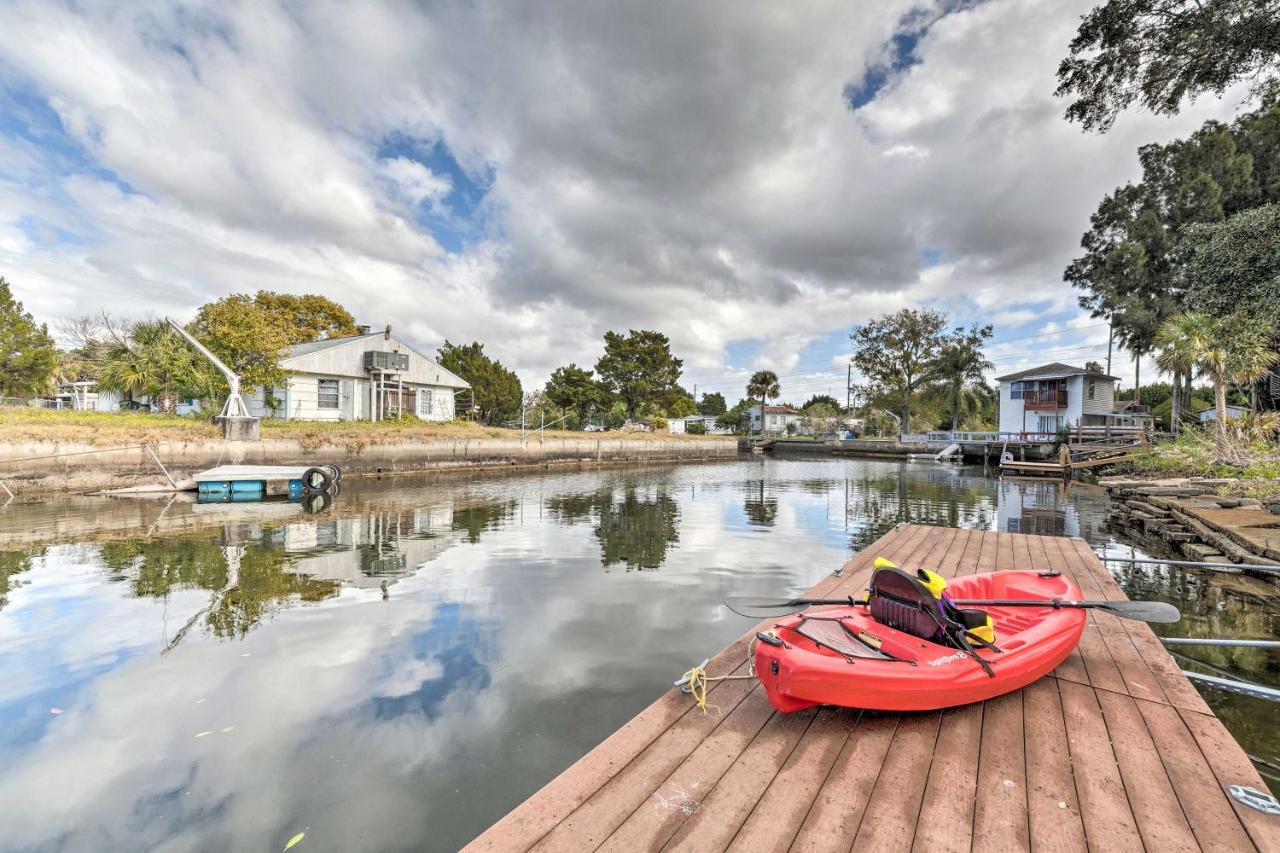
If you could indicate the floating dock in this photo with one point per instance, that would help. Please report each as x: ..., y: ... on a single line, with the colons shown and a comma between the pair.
x: 251, y: 482
x: 1114, y: 751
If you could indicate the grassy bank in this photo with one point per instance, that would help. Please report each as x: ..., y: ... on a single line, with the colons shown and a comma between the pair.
x: 107, y: 429
x: 1253, y: 467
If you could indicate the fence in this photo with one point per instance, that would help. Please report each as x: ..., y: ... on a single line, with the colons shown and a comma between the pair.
x: 1078, y: 434
x: 36, y: 403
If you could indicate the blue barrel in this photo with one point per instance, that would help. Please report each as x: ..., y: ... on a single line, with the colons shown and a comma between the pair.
x: 248, y: 487
x: 295, y: 490
x: 214, y: 490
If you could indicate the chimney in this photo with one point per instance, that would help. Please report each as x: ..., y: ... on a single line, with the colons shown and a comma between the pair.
x: 386, y: 335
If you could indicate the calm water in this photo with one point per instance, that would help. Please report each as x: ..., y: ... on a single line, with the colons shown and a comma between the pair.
x: 399, y: 672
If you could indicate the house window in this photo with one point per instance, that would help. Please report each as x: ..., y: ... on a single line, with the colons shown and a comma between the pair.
x: 1015, y: 390
x: 1092, y: 383
x: 327, y: 394
x: 426, y: 402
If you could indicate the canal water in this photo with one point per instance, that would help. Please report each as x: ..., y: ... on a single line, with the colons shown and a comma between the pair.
x: 398, y: 672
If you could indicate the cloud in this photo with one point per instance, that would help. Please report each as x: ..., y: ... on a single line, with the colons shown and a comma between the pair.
x: 532, y: 176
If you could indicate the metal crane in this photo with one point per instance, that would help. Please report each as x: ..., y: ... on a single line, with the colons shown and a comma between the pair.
x: 235, y: 406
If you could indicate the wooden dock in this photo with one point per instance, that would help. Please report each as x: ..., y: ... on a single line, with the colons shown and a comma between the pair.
x: 1114, y: 751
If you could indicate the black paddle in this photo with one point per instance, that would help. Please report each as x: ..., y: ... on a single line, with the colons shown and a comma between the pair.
x: 1142, y: 611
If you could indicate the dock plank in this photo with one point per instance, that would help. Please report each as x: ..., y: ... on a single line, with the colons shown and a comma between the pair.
x: 890, y: 819
x: 1053, y: 810
x: 1000, y: 810
x: 1109, y: 823
x: 1156, y: 808
x: 1114, y: 751
x: 838, y: 809
x: 1206, y: 804
x: 773, y: 824
x: 714, y: 825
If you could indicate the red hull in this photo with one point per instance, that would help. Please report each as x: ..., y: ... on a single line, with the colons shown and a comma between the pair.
x: 1035, y: 640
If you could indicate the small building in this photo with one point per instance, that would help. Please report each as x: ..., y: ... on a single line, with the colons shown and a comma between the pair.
x: 776, y: 418
x: 1208, y: 416
x: 85, y: 396
x: 708, y: 422
x: 363, y: 377
x: 1041, y: 399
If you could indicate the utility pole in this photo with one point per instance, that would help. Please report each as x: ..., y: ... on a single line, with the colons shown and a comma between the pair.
x: 848, y: 388
x: 1111, y: 328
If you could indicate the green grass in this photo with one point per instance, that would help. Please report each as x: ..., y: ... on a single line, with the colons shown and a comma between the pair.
x: 1194, y: 454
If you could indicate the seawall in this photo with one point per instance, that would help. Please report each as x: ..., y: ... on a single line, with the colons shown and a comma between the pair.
x: 31, y: 467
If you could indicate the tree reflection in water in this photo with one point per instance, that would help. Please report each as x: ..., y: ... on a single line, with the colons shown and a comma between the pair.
x: 633, y: 528
x: 12, y: 564
x: 877, y: 502
x: 761, y: 511
x: 479, y: 517
x: 249, y: 582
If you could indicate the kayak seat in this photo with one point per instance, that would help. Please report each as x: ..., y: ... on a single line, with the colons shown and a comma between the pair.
x: 902, y: 601
x: 917, y: 605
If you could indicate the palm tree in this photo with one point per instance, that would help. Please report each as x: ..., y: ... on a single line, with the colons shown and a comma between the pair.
x: 763, y: 384
x: 1175, y: 354
x: 960, y: 368
x: 1227, y: 349
x: 155, y: 361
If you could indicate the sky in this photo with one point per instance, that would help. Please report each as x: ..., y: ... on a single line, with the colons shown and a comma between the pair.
x: 751, y: 179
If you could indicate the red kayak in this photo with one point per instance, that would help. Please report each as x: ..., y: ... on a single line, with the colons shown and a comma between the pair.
x: 842, y: 656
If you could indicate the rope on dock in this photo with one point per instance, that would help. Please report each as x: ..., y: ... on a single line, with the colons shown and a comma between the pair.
x: 696, y: 680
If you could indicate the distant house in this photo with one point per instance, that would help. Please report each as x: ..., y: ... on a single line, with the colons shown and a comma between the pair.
x: 85, y: 396
x: 1211, y: 415
x: 776, y: 418
x: 708, y: 423
x: 364, y: 377
x: 1043, y: 398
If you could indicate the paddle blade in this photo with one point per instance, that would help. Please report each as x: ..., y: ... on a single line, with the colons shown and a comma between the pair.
x: 764, y: 608
x: 1143, y: 611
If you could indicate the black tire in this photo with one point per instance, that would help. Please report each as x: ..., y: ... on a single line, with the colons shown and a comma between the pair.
x: 316, y: 502
x: 316, y: 481
x: 334, y: 471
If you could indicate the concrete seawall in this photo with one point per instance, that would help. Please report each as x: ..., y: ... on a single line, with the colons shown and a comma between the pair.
x: 43, y: 467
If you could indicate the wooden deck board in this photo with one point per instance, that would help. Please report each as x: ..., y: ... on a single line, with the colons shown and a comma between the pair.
x: 1116, y: 750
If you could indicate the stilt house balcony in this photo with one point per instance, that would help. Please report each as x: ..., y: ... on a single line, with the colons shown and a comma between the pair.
x: 1044, y: 400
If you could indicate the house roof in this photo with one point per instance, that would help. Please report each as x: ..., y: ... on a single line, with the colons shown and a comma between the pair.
x: 1053, y: 370
x: 310, y: 348
x: 327, y: 343
x: 780, y: 410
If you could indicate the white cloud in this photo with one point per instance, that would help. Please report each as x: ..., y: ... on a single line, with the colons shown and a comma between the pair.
x: 413, y: 181
x: 706, y: 179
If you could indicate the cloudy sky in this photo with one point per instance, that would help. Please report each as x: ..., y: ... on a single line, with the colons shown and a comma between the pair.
x: 751, y: 179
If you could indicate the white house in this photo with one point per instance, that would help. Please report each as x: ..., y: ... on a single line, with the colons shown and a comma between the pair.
x: 364, y: 377
x: 708, y: 423
x: 776, y: 418
x: 1043, y: 398
x: 85, y: 396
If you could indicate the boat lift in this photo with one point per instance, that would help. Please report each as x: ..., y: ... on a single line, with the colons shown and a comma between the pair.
x: 237, y: 423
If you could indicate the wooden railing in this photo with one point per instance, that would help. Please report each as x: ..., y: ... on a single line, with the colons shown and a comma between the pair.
x: 1044, y: 399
